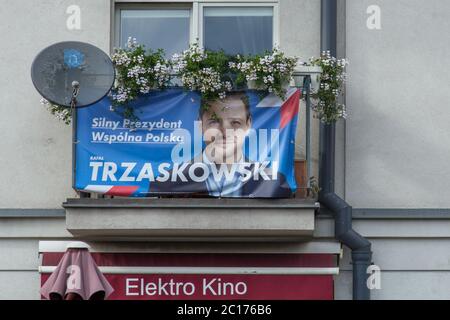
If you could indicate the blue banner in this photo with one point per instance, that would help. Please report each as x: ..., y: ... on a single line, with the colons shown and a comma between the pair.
x: 240, y: 147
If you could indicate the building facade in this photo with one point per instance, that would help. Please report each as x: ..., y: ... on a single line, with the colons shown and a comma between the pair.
x: 390, y: 152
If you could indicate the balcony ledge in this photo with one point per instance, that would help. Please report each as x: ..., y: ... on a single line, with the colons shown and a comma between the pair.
x: 190, y: 219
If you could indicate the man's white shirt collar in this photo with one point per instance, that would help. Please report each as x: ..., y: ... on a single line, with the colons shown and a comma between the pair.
x: 223, y: 188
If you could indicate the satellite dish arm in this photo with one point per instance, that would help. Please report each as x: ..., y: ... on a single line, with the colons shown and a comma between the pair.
x: 76, y: 90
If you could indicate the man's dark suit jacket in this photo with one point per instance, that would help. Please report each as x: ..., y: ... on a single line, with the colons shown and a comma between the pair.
x: 251, y: 189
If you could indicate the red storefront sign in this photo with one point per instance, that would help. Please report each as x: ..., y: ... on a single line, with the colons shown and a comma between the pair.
x: 221, y: 287
x: 148, y: 276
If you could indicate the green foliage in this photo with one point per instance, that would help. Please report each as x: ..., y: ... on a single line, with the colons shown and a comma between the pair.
x: 213, y: 74
x: 204, y: 71
x: 326, y: 100
x: 138, y: 71
x: 62, y: 113
x: 270, y: 72
x: 314, y: 188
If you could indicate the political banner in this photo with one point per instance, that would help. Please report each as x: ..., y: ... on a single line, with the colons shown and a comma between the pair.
x: 175, y: 144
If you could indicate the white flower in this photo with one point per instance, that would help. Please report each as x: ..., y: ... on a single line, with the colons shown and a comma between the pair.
x: 139, y: 59
x: 131, y: 43
x: 120, y: 58
x: 136, y: 71
x: 122, y: 94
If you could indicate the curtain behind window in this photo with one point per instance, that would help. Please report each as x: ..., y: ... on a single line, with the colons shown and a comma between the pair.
x: 238, y: 30
x: 166, y: 29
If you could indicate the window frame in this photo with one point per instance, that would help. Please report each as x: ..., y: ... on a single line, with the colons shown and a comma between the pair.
x: 258, y: 4
x: 196, y: 8
x: 119, y: 6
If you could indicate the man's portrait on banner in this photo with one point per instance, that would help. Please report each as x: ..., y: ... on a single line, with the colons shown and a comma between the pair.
x: 223, y: 169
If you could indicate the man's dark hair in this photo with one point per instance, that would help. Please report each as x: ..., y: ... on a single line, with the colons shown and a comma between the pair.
x: 243, y: 96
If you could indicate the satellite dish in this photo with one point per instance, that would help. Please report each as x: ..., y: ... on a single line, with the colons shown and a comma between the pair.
x: 69, y: 70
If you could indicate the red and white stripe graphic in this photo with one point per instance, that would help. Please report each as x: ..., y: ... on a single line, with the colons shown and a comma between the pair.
x: 121, y: 191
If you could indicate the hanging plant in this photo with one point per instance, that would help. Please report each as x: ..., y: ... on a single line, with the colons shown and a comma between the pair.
x: 271, y: 72
x: 203, y: 71
x: 137, y: 72
x: 326, y: 101
x: 61, y: 113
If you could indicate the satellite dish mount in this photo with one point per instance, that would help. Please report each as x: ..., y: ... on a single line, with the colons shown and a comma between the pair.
x: 76, y: 90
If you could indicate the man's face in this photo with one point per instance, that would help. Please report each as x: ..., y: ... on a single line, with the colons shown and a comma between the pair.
x: 225, y: 126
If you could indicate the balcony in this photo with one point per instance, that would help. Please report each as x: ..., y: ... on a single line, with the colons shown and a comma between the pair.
x: 94, y: 217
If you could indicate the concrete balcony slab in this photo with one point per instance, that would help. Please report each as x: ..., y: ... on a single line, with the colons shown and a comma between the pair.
x: 189, y: 219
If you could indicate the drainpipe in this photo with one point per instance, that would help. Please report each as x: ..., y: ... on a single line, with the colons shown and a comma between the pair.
x: 340, y: 209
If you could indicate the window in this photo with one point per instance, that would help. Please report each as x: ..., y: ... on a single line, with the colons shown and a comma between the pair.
x: 168, y: 29
x: 238, y: 30
x: 235, y: 27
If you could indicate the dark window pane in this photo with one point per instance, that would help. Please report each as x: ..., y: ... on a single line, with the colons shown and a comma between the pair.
x: 166, y: 29
x: 243, y: 30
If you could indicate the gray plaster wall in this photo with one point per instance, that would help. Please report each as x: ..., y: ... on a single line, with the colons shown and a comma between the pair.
x: 412, y: 254
x: 397, y: 134
x: 411, y: 269
x: 35, y: 148
x: 19, y: 254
